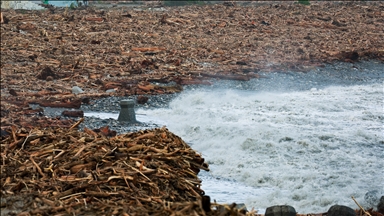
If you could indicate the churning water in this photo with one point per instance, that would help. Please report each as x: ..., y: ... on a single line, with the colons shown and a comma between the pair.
x: 310, y: 140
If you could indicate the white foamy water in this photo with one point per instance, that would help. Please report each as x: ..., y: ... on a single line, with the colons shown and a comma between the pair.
x: 309, y: 149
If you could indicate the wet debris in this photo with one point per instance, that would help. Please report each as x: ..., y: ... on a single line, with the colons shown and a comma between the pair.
x: 65, y: 170
x: 142, y: 99
x: 105, y: 131
x: 48, y: 167
x: 73, y: 113
x: 126, y: 51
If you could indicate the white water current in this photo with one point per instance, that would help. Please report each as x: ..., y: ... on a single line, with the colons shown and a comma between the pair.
x: 310, y: 148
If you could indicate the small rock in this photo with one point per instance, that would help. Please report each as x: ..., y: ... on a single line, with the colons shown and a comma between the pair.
x: 380, y: 206
x: 22, y: 32
x: 85, y: 100
x: 142, y: 99
x: 280, y: 210
x: 12, y: 92
x: 241, y: 63
x: 110, y: 90
x: 77, y: 90
x: 340, y: 210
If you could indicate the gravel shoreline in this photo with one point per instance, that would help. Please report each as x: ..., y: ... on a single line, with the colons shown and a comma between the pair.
x: 111, y: 105
x: 339, y: 73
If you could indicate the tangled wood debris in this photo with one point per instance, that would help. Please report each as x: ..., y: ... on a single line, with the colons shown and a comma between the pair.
x: 48, y: 167
x: 68, y: 171
x: 45, y: 53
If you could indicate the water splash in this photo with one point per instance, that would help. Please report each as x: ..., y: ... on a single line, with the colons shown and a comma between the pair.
x: 310, y: 149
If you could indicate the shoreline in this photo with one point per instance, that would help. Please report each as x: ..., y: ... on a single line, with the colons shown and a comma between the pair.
x: 42, y: 58
x: 353, y: 77
x: 176, y: 50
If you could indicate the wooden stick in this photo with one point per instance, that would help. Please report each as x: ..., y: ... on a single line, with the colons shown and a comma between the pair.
x: 365, y: 212
x: 77, y: 123
x: 137, y: 171
x: 13, y: 133
x: 37, y: 166
x: 71, y: 195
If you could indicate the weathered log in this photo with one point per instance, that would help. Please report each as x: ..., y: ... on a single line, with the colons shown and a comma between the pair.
x: 68, y: 104
x: 73, y: 113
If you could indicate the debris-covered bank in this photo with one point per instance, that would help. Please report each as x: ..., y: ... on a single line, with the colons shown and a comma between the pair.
x: 137, y: 51
x: 130, y: 50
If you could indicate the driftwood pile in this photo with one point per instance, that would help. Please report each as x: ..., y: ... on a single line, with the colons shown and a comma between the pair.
x: 132, y: 50
x: 48, y: 167
x: 71, y: 172
x: 23, y: 116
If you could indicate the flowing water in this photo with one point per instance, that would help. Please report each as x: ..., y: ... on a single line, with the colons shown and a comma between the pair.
x: 310, y: 140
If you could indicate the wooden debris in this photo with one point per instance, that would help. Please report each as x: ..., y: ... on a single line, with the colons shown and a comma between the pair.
x: 98, y: 19
x: 53, y: 169
x: 77, y: 123
x: 45, y: 54
x: 361, y: 208
x: 22, y: 115
x: 146, y: 49
x: 142, y: 99
x: 73, y: 113
x: 105, y: 131
x: 64, y: 104
x: 158, y: 168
